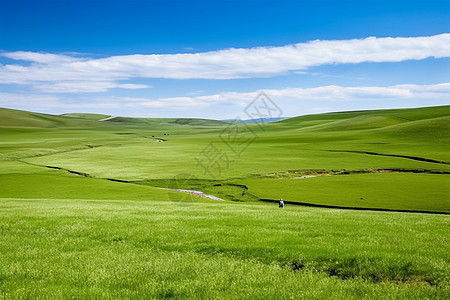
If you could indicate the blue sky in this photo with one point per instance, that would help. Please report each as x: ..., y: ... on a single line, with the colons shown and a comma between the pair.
x: 211, y: 58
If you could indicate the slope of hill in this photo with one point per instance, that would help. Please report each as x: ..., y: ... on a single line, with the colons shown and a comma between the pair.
x: 166, y: 121
x: 73, y: 187
x: 87, y: 116
x: 285, y: 159
x: 18, y: 118
x: 369, y: 119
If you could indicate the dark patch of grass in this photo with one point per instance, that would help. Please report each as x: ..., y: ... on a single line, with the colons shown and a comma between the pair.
x: 351, y: 268
x: 167, y: 293
x: 395, y: 155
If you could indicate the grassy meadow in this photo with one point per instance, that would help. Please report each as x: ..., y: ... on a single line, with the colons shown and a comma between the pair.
x: 82, y: 248
x: 84, y: 212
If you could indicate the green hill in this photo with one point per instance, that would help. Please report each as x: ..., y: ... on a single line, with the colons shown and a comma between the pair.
x: 395, y: 159
x: 87, y: 116
x: 73, y: 186
x: 165, y: 121
x: 369, y: 119
x: 18, y: 118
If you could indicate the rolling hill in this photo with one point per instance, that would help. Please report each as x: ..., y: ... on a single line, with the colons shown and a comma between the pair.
x: 72, y: 187
x: 337, y: 159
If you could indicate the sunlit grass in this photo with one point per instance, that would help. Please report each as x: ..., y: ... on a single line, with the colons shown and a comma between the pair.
x: 64, y: 235
x: 120, y: 249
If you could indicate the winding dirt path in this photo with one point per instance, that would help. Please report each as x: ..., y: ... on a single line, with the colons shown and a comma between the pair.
x: 195, y: 193
x: 108, y: 118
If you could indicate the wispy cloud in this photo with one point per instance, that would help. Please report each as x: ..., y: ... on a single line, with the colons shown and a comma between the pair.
x: 330, y: 94
x: 86, y: 86
x: 66, y: 73
x: 44, y: 58
x: 325, y: 93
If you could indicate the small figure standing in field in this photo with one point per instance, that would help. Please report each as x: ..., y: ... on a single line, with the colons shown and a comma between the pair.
x: 281, y: 203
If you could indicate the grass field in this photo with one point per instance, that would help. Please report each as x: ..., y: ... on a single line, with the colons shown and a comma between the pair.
x: 83, y: 213
x: 154, y: 249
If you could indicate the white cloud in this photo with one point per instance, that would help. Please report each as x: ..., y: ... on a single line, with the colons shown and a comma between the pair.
x: 172, y: 103
x: 329, y: 93
x: 44, y: 58
x: 227, y: 104
x: 48, y: 70
x: 85, y: 86
x: 39, y: 102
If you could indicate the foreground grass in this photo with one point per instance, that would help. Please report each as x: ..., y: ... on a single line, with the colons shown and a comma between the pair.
x: 151, y: 249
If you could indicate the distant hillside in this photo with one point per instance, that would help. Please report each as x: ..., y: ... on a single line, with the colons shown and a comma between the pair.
x: 95, y: 117
x: 262, y: 120
x: 18, y: 118
x: 161, y: 121
x: 360, y: 120
x: 398, y: 120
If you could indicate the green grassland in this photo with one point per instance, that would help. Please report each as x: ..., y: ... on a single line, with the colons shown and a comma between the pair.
x: 276, y: 163
x: 83, y: 212
x: 156, y: 249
